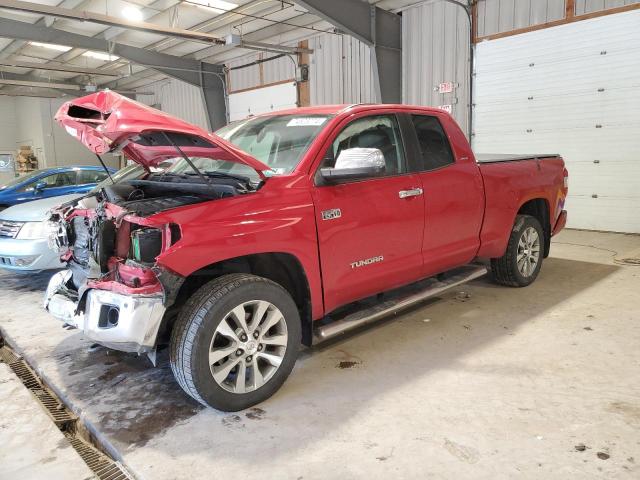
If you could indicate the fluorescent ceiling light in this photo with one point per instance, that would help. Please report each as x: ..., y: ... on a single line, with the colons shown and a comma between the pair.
x: 217, y: 5
x: 132, y: 13
x: 51, y: 46
x: 100, y: 56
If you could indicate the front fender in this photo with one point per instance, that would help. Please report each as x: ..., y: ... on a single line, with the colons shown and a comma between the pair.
x: 268, y: 221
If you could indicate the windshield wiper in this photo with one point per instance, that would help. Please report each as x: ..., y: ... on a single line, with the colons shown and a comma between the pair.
x: 240, y: 178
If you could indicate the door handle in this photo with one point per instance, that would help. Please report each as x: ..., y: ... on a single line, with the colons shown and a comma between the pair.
x: 414, y: 192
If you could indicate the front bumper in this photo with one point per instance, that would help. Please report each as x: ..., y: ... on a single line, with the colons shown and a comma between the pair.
x: 128, y: 323
x: 28, y: 255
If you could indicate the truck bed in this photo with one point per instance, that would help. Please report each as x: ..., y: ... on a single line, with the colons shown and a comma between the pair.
x: 506, y: 157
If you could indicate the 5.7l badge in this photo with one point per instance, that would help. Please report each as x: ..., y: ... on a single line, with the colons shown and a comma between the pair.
x: 331, y: 214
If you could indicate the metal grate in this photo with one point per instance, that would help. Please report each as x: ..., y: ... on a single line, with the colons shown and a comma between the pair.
x: 25, y: 374
x: 7, y: 356
x: 60, y: 415
x: 10, y: 229
x: 102, y: 465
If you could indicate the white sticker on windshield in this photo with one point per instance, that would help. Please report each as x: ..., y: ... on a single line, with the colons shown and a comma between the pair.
x: 71, y: 131
x: 306, y: 122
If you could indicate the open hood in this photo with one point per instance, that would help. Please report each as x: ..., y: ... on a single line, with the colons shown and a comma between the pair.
x: 107, y: 121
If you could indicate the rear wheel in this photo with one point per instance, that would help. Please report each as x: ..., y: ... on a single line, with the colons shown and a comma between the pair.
x: 235, y: 341
x: 521, y: 263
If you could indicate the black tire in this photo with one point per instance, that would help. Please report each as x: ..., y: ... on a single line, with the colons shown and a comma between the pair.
x: 504, y: 270
x: 195, y: 327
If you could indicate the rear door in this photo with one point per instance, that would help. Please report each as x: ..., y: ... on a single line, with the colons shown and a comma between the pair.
x: 369, y: 230
x: 453, y: 191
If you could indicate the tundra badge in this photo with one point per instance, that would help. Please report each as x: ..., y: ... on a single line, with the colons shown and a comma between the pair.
x: 367, y: 261
x: 331, y: 214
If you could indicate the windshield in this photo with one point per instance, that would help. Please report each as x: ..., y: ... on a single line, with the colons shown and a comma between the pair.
x: 18, y: 180
x: 278, y: 141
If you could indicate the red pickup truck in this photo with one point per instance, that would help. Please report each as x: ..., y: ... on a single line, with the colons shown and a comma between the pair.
x: 285, y: 229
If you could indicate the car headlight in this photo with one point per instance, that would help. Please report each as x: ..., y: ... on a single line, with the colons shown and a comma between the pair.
x: 34, y: 231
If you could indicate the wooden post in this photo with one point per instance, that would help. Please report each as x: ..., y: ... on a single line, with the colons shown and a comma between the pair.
x: 304, y: 92
x: 569, y: 9
x: 474, y: 22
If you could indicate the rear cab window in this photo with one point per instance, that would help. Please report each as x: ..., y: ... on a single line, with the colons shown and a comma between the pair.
x: 433, y: 144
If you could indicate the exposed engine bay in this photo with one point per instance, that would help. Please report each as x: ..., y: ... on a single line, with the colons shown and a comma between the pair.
x: 108, y: 241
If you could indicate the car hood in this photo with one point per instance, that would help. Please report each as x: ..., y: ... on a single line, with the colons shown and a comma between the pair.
x: 35, y: 211
x: 107, y: 121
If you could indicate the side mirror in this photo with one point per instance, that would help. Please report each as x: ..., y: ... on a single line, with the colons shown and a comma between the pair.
x: 39, y: 186
x: 355, y: 163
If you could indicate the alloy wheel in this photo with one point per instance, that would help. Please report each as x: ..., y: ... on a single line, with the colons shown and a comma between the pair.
x: 528, y: 252
x: 248, y: 346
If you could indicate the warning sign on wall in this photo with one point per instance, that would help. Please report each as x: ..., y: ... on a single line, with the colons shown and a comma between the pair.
x: 446, y: 108
x: 445, y: 87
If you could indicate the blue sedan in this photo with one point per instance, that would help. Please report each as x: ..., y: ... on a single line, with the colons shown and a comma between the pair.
x: 50, y: 182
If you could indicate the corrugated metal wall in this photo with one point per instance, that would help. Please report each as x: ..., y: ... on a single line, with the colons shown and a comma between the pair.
x: 588, y: 6
x: 340, y: 70
x: 277, y: 70
x: 176, y: 98
x: 497, y: 16
x: 435, y: 44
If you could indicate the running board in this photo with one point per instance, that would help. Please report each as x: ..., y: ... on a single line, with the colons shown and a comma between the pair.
x: 377, y: 307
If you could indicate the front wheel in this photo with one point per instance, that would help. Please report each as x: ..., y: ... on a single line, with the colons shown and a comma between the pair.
x: 521, y: 263
x: 235, y: 341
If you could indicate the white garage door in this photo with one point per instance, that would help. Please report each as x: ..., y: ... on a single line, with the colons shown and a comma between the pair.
x: 262, y: 100
x: 574, y: 90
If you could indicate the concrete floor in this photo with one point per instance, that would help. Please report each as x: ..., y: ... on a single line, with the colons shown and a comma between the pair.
x: 486, y: 382
x: 32, y: 447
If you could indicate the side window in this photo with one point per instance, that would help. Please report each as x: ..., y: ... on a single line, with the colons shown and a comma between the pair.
x: 381, y: 132
x: 63, y: 179
x: 90, y: 176
x: 433, y: 142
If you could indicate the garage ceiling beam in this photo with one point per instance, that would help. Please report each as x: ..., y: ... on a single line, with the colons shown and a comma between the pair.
x: 57, y: 67
x: 110, y: 21
x: 378, y: 28
x: 206, y: 76
x: 27, y: 83
x: 93, y: 17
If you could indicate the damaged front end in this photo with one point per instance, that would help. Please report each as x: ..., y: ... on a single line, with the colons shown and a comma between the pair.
x: 115, y: 289
x: 112, y: 290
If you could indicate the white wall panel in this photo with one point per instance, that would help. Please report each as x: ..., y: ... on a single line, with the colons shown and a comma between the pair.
x: 435, y: 44
x: 8, y: 129
x: 178, y: 99
x: 262, y: 100
x: 574, y: 90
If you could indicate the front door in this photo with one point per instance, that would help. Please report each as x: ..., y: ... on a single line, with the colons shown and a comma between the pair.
x: 369, y: 230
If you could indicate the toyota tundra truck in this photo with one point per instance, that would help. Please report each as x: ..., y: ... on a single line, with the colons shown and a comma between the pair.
x: 283, y: 230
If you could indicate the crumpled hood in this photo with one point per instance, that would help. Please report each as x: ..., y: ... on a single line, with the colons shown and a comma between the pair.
x: 35, y: 211
x: 107, y: 121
